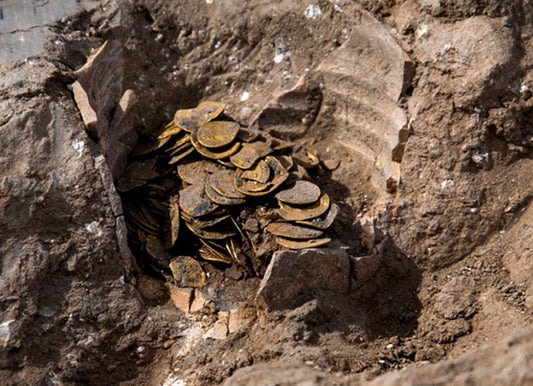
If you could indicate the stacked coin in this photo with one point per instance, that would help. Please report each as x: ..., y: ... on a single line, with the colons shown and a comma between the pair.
x: 201, y: 170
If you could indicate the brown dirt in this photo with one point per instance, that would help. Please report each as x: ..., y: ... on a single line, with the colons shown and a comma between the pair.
x: 450, y: 267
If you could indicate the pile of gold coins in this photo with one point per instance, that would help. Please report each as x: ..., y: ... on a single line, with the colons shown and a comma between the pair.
x: 206, y: 188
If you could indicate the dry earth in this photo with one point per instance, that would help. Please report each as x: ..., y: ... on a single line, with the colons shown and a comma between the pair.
x: 426, y: 104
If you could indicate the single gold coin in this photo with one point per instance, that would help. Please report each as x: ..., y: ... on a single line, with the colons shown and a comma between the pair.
x: 194, y: 202
x: 187, y: 272
x: 189, y: 119
x: 304, y: 212
x: 302, y: 193
x: 216, y: 134
x: 292, y: 231
x: 302, y: 244
x: 325, y: 220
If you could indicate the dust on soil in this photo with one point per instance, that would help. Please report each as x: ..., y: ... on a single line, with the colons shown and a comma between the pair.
x: 453, y: 260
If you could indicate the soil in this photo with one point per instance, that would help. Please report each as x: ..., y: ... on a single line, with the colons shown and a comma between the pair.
x: 440, y: 252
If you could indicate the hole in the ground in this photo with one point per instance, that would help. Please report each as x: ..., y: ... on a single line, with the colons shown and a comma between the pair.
x: 204, y: 191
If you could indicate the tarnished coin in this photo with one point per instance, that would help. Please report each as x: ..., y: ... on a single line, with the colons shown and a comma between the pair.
x: 216, y: 134
x: 222, y: 183
x: 211, y: 252
x: 208, y: 221
x: 325, y: 220
x: 189, y: 119
x: 293, y: 231
x: 218, y: 232
x: 304, y: 212
x: 261, y: 173
x: 249, y: 153
x: 302, y: 193
x: 299, y: 244
x: 278, y: 175
x: 220, y: 199
x: 196, y: 172
x: 187, y: 272
x: 178, y: 144
x: 194, y: 202
x: 216, y: 154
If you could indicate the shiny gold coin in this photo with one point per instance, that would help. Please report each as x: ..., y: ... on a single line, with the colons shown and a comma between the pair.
x: 216, y: 154
x: 304, y: 212
x: 325, y: 220
x: 187, y: 272
x: 141, y: 170
x: 293, y: 231
x: 216, y: 134
x: 249, y: 154
x: 194, y: 202
x: 302, y: 193
x: 189, y: 119
x: 297, y: 245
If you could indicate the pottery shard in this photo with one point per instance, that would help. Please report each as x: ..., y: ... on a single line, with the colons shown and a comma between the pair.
x: 295, y: 277
x: 240, y: 319
x: 181, y: 297
x: 219, y: 331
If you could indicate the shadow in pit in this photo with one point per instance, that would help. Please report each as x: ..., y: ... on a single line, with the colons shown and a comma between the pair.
x: 385, y: 286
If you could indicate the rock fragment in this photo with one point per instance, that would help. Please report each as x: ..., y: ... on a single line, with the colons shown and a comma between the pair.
x: 295, y: 277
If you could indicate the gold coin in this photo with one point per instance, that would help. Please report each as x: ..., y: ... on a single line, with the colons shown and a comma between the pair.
x: 304, y: 212
x: 249, y: 154
x: 216, y: 134
x: 299, y: 244
x: 222, y: 183
x: 220, y: 199
x: 325, y: 220
x: 194, y: 202
x: 302, y: 193
x: 216, y: 154
x: 187, y: 272
x: 196, y: 172
x: 293, y: 231
x: 189, y: 119
x: 261, y: 173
